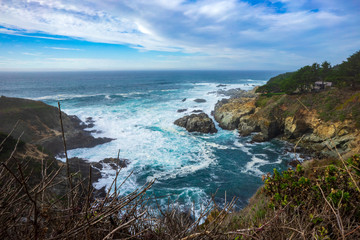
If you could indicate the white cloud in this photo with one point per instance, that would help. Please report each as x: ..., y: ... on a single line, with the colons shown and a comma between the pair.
x: 32, y: 54
x: 65, y: 49
x: 205, y: 26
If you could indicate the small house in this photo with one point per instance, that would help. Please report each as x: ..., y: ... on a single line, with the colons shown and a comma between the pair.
x: 319, y: 85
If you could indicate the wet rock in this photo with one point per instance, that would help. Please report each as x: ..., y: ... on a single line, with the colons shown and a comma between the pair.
x: 184, y: 99
x: 260, y: 137
x: 114, y: 163
x: 182, y: 110
x: 89, y: 120
x: 221, y: 85
x: 90, y: 123
x: 199, y: 100
x: 197, y: 111
x: 197, y: 123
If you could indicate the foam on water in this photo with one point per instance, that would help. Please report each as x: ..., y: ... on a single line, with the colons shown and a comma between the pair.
x: 139, y: 115
x: 143, y: 130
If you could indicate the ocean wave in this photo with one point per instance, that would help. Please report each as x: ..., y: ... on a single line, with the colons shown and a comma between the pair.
x: 157, y: 149
x: 59, y: 97
x: 252, y: 167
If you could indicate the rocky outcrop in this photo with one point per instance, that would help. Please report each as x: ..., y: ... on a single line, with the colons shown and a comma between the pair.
x: 319, y: 136
x: 182, y: 110
x: 199, y: 100
x: 39, y: 124
x: 286, y: 118
x: 114, y: 163
x: 229, y: 112
x: 197, y: 123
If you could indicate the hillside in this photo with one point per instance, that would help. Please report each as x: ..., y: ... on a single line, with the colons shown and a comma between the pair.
x: 39, y: 124
x: 345, y: 76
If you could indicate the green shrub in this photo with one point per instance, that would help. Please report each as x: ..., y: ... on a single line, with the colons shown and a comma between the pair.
x: 330, y: 185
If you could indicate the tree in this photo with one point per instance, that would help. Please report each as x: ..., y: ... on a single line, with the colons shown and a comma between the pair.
x: 350, y: 69
x: 325, y: 71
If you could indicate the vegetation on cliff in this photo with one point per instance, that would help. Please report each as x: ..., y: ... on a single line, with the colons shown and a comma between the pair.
x: 344, y: 75
x: 316, y: 200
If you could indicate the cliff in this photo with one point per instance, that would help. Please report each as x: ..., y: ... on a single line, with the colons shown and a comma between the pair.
x: 317, y: 121
x: 41, y: 140
x: 40, y: 125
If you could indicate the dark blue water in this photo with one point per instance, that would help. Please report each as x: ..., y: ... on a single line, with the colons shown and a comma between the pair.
x: 138, y: 110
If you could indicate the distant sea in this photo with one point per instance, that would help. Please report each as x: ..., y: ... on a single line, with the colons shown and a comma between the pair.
x: 138, y: 108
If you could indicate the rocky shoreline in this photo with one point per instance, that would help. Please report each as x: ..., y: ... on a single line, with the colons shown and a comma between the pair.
x: 287, y: 118
x: 39, y: 127
x: 284, y: 117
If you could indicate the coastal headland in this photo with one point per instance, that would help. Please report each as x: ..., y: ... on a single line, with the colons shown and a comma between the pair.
x: 317, y: 198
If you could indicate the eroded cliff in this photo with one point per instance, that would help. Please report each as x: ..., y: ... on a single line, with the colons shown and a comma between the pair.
x: 325, y: 123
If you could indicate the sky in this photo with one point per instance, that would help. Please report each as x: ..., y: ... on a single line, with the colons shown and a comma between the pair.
x: 68, y: 35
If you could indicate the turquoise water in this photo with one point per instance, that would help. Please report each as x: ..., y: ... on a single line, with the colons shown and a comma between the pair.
x: 138, y: 109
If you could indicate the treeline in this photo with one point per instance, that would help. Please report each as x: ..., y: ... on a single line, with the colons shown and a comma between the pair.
x: 344, y: 75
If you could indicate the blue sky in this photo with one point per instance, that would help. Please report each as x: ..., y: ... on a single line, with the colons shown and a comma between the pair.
x: 37, y: 35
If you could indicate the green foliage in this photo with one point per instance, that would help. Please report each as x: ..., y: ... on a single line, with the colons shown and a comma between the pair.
x: 350, y: 71
x: 335, y: 184
x: 262, y: 101
x: 344, y: 75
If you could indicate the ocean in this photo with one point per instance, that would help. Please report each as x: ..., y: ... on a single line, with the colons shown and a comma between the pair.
x: 138, y: 108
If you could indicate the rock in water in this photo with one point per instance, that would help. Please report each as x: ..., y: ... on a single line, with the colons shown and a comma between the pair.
x: 197, y: 111
x: 182, y: 110
x: 200, y: 100
x: 197, y: 123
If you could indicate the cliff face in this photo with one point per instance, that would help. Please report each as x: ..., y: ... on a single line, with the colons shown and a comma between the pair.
x: 40, y: 125
x: 295, y: 118
x: 231, y: 111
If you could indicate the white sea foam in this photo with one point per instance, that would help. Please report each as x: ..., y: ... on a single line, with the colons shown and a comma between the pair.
x: 144, y: 132
x: 243, y: 147
x: 255, y: 163
x: 59, y: 97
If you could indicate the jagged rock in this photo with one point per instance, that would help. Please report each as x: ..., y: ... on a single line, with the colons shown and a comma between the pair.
x: 89, y: 122
x: 294, y: 128
x: 228, y: 112
x: 114, y: 163
x: 236, y: 93
x: 182, y: 110
x: 197, y: 111
x: 197, y: 123
x: 270, y: 128
x: 260, y: 137
x: 247, y: 126
x: 200, y: 100
x: 184, y: 99
x: 221, y: 85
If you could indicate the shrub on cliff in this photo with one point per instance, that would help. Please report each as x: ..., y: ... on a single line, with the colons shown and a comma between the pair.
x: 322, y: 203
